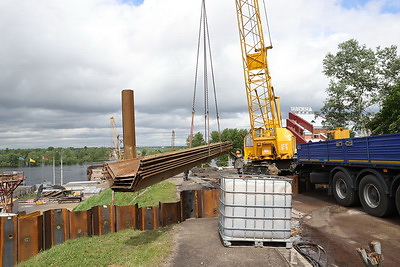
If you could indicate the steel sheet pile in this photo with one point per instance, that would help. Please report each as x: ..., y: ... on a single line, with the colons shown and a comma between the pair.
x: 135, y: 174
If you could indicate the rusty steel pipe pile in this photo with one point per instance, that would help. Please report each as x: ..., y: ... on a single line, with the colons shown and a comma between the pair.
x: 135, y: 174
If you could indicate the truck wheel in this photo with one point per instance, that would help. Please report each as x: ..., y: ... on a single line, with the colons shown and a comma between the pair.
x: 344, y: 194
x: 398, y: 199
x: 373, y: 197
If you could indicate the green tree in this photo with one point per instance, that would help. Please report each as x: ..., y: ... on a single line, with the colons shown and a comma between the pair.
x: 9, y: 157
x: 198, y: 140
x: 387, y: 120
x: 360, y: 79
x: 143, y: 152
x: 233, y: 135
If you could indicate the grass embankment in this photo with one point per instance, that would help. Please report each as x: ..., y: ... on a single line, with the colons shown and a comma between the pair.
x: 151, y: 196
x: 124, y: 248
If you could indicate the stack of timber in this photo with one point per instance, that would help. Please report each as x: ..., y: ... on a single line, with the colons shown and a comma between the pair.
x: 135, y: 174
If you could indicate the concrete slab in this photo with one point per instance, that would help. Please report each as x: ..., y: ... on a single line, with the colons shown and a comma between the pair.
x: 197, y: 243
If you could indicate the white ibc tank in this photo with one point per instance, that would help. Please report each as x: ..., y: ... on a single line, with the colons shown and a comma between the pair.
x: 255, y: 208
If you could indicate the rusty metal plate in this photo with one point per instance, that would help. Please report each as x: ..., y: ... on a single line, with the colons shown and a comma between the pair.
x: 103, y: 219
x: 56, y: 230
x: 188, y: 204
x: 126, y: 217
x: 80, y: 224
x: 198, y: 200
x: 30, y: 237
x: 295, y: 184
x: 170, y: 213
x: 148, y: 218
x: 139, y: 173
x: 210, y: 203
x: 8, y: 241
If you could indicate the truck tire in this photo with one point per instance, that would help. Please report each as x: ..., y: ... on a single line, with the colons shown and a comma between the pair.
x: 373, y: 197
x: 344, y: 194
x: 398, y: 199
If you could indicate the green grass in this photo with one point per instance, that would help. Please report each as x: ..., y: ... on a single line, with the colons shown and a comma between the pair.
x: 162, y: 192
x: 124, y: 248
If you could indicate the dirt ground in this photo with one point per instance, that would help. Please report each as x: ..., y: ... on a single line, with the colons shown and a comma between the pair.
x: 340, y: 230
x: 316, y: 217
x: 197, y: 243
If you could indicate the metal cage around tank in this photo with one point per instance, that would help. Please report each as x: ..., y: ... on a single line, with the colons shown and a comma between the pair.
x: 255, y: 209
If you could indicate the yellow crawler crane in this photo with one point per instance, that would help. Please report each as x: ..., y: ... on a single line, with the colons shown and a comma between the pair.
x: 267, y: 142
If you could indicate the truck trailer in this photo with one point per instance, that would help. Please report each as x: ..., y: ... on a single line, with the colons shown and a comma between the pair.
x: 361, y: 169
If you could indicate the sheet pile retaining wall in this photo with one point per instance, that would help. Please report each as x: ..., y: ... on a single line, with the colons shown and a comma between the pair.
x: 22, y: 237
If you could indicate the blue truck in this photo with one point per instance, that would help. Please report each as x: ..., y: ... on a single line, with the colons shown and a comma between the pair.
x: 361, y: 169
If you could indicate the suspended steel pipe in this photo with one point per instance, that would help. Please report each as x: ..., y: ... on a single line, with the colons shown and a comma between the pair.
x: 128, y: 124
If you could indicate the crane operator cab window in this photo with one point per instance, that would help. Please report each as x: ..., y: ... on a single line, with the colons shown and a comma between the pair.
x: 248, y: 140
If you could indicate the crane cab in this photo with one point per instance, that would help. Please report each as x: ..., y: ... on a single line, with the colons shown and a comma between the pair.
x: 276, y: 144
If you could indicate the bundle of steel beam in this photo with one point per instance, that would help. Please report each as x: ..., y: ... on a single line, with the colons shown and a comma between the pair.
x: 135, y: 174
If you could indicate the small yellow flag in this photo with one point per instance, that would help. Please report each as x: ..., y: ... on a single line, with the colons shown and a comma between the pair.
x: 31, y: 160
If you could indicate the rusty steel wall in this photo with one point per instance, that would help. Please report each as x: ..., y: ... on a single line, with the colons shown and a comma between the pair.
x: 80, y: 224
x: 126, y: 217
x: 56, y: 227
x: 22, y: 237
x: 188, y: 202
x: 8, y: 241
x: 170, y: 213
x: 148, y: 218
x: 199, y: 203
x: 30, y: 236
x: 103, y: 219
x: 209, y: 203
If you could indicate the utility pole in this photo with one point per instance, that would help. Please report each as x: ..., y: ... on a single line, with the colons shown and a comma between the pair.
x: 173, y: 141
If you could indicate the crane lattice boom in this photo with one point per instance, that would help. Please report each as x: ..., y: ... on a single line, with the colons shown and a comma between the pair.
x: 267, y: 139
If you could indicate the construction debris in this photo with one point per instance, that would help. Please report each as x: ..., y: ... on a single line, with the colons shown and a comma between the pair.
x: 373, y: 256
x: 9, y: 181
x: 312, y: 252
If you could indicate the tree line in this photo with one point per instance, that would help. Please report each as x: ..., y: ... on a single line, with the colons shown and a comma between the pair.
x: 364, y: 88
x: 236, y: 136
x: 38, y: 156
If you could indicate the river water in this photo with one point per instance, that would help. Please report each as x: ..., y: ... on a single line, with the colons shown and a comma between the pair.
x: 44, y: 173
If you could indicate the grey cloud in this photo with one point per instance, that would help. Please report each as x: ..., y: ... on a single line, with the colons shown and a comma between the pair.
x: 63, y: 64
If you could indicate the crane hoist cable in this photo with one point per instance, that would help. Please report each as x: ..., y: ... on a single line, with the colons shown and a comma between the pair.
x: 267, y: 22
x: 204, y: 39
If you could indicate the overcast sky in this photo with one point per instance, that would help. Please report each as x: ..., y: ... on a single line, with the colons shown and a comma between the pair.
x: 64, y: 63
